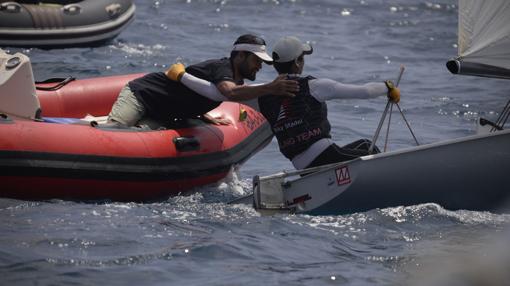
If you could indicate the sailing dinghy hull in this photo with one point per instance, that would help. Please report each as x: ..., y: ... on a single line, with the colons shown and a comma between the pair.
x: 470, y: 173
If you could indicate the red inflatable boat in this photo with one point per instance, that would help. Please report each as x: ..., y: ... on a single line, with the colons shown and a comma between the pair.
x: 58, y: 156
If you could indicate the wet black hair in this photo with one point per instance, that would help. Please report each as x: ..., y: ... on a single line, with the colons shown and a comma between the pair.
x: 250, y: 39
x: 283, y: 67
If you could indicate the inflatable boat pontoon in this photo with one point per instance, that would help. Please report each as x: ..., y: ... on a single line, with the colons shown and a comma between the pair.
x: 51, y: 23
x: 47, y: 151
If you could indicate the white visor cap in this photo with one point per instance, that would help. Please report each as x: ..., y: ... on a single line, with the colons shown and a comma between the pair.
x: 258, y: 50
x: 290, y: 48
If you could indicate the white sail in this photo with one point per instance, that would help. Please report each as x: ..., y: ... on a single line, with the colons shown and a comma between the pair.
x: 484, y: 37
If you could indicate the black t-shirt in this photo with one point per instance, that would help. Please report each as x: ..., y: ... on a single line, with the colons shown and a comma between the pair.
x: 167, y: 99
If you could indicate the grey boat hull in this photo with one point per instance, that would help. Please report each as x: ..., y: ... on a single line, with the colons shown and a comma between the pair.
x: 48, y: 25
x: 470, y: 173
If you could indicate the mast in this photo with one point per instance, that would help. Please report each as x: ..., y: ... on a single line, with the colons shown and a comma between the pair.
x: 483, y: 40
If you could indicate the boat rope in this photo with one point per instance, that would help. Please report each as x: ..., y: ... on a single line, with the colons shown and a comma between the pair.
x: 388, y: 129
x: 503, y: 117
x: 408, y: 126
x: 45, y: 16
x: 60, y: 83
x: 376, y: 135
x: 402, y: 68
x: 389, y: 105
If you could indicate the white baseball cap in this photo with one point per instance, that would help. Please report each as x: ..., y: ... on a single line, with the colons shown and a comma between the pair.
x: 290, y: 48
x: 258, y: 50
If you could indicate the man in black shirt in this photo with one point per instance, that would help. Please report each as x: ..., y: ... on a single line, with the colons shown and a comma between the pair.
x: 154, y: 99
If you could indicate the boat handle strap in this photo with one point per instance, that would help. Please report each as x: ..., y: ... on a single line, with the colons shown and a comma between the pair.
x: 60, y: 82
x: 184, y: 144
x: 10, y: 7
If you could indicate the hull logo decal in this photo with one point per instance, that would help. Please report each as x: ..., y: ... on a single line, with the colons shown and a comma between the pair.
x: 342, y: 175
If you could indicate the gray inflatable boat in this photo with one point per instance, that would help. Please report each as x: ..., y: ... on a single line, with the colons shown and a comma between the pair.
x: 53, y: 23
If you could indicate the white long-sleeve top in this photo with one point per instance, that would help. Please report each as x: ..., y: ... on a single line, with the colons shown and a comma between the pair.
x: 327, y: 89
x: 322, y: 89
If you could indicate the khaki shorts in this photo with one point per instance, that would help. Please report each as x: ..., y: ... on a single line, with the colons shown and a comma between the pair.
x: 127, y: 109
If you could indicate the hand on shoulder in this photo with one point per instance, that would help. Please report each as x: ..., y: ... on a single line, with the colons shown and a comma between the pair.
x: 283, y: 86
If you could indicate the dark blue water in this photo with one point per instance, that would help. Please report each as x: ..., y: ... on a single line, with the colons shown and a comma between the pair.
x: 197, y: 239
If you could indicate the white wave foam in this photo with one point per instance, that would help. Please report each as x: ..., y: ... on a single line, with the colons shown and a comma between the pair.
x: 138, y: 49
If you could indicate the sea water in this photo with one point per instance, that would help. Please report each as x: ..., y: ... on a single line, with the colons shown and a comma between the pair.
x: 196, y: 238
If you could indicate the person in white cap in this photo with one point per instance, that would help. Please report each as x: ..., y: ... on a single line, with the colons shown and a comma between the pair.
x: 300, y: 123
x: 154, y: 100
